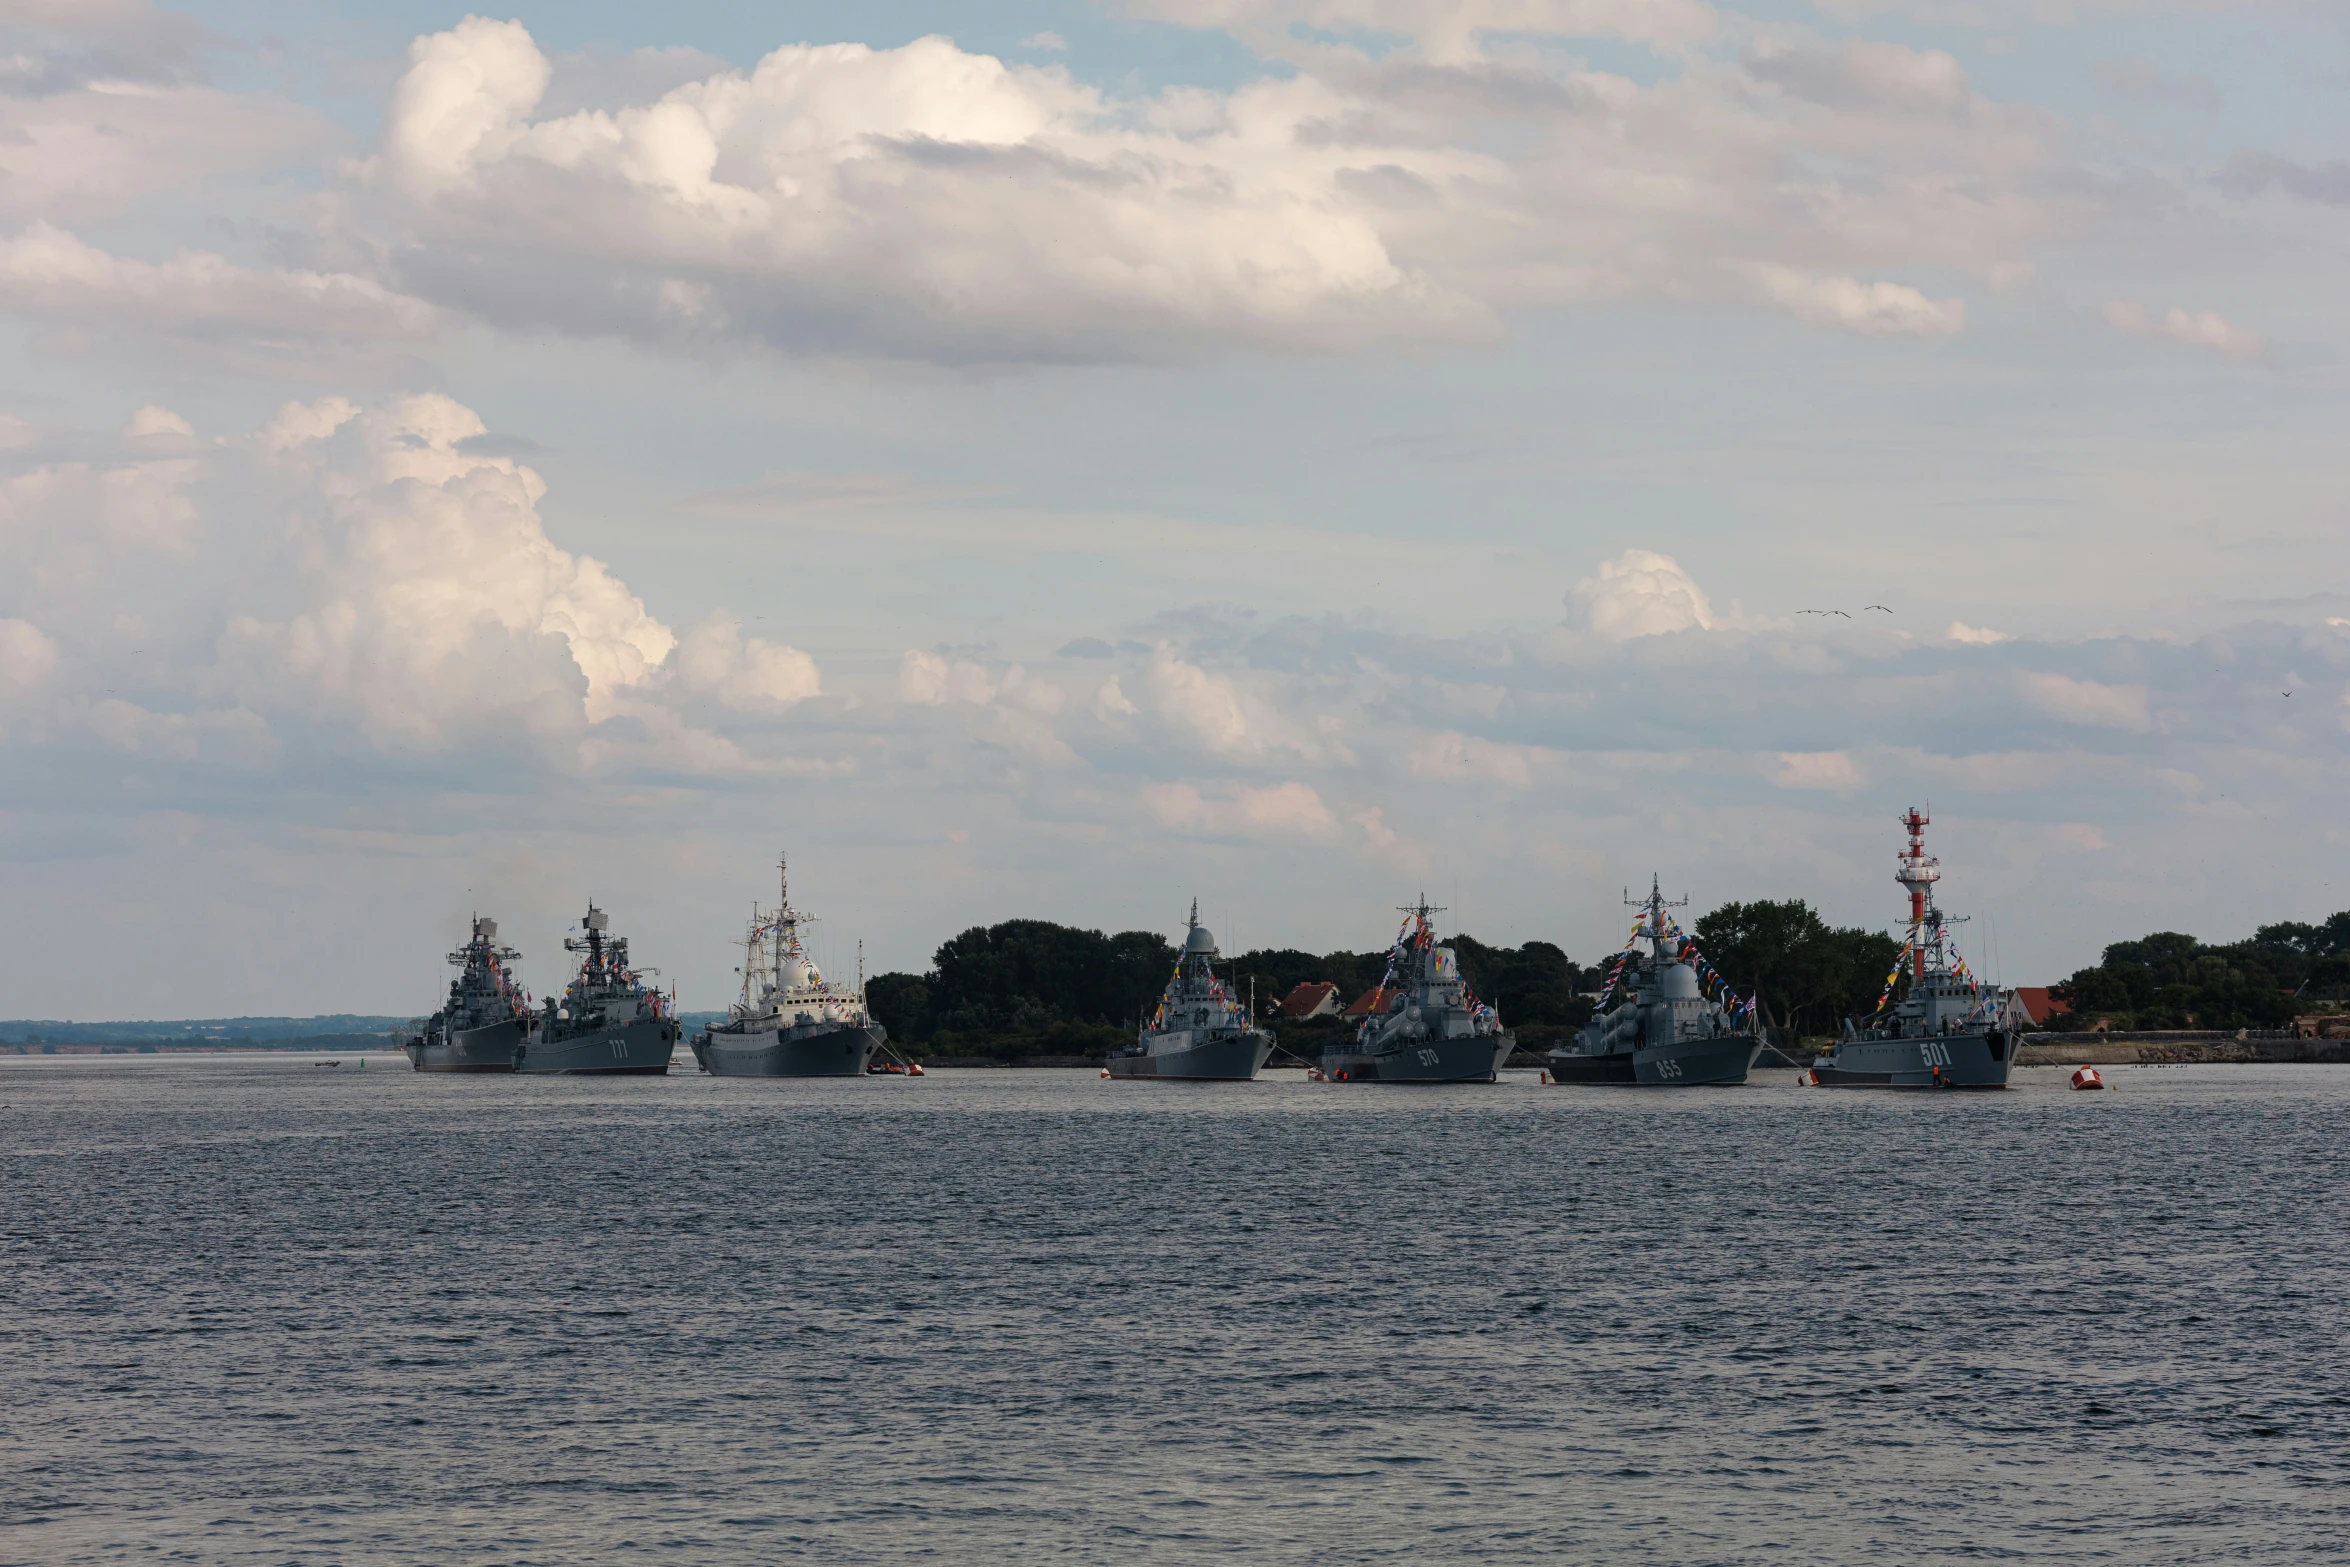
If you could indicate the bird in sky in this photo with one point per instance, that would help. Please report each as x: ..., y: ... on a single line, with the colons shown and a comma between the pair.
x: 1822, y: 612
x: 1876, y: 606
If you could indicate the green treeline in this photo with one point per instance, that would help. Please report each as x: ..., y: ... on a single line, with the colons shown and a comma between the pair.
x: 2169, y: 980
x: 1807, y: 975
x: 1030, y: 987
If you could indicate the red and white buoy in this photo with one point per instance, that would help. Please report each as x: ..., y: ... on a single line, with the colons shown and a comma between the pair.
x: 2086, y: 1077
x: 1105, y: 1071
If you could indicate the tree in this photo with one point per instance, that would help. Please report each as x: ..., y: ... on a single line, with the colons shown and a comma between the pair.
x: 2172, y: 980
x: 1806, y: 974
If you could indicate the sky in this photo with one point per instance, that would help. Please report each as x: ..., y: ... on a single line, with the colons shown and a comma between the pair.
x: 1060, y: 463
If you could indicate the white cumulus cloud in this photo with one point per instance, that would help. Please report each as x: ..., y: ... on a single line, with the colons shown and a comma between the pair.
x: 1282, y: 811
x: 47, y: 272
x: 1640, y: 593
x: 749, y: 675
x: 2196, y: 329
x: 2087, y: 702
x: 1877, y: 309
x: 929, y: 202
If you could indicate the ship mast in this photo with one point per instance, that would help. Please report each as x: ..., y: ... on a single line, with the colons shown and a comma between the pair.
x: 1655, y: 904
x: 1918, y: 873
x: 788, y: 920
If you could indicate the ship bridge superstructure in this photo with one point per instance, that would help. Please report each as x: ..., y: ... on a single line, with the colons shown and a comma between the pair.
x: 1427, y: 996
x: 1197, y: 1003
x: 605, y: 983
x: 485, y: 990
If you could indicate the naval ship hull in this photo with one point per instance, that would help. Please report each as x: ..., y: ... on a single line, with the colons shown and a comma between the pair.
x: 1929, y: 1061
x: 1684, y: 1063
x: 635, y: 1049
x: 488, y: 1049
x: 1237, y: 1059
x: 1472, y: 1059
x: 841, y: 1051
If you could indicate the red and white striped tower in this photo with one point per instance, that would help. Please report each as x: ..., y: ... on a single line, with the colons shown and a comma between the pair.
x: 1919, y: 871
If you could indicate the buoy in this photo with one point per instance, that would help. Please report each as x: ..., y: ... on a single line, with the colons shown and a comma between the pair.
x: 1105, y: 1071
x: 1807, y: 1078
x: 1546, y: 1074
x: 2086, y: 1077
x: 915, y: 1070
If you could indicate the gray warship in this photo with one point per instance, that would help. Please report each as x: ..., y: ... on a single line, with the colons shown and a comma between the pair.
x: 1666, y: 1032
x: 609, y: 1022
x: 1427, y: 1026
x: 486, y: 1021
x: 1200, y: 1033
x: 1943, y: 1033
x: 790, y: 1022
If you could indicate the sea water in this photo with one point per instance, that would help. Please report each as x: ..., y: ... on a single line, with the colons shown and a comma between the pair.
x: 255, y: 1310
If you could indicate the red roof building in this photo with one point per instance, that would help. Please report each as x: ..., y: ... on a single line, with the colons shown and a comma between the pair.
x: 1373, y: 1000
x: 1314, y: 998
x: 2040, y: 1004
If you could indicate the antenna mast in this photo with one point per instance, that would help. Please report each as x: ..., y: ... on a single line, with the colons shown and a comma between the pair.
x: 1918, y: 873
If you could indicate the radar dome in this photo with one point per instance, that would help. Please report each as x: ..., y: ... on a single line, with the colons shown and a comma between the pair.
x: 1199, y: 940
x: 1680, y: 982
x: 799, y: 974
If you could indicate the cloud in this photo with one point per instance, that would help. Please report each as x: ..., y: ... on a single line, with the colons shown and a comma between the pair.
x: 1817, y: 770
x: 748, y: 676
x: 932, y: 679
x: 930, y: 203
x: 895, y: 199
x: 85, y: 135
x: 1869, y: 76
x: 2087, y: 701
x: 2141, y: 81
x: 1980, y: 636
x: 1453, y: 755
x: 1640, y: 594
x: 1204, y: 709
x: 1450, y: 29
x: 49, y: 274
x: 2205, y: 329
x: 1870, y: 309
x: 1110, y: 703
x: 426, y: 572
x: 1282, y: 811
x: 152, y: 423
x: 358, y: 567
x: 2252, y: 173
x: 28, y: 657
